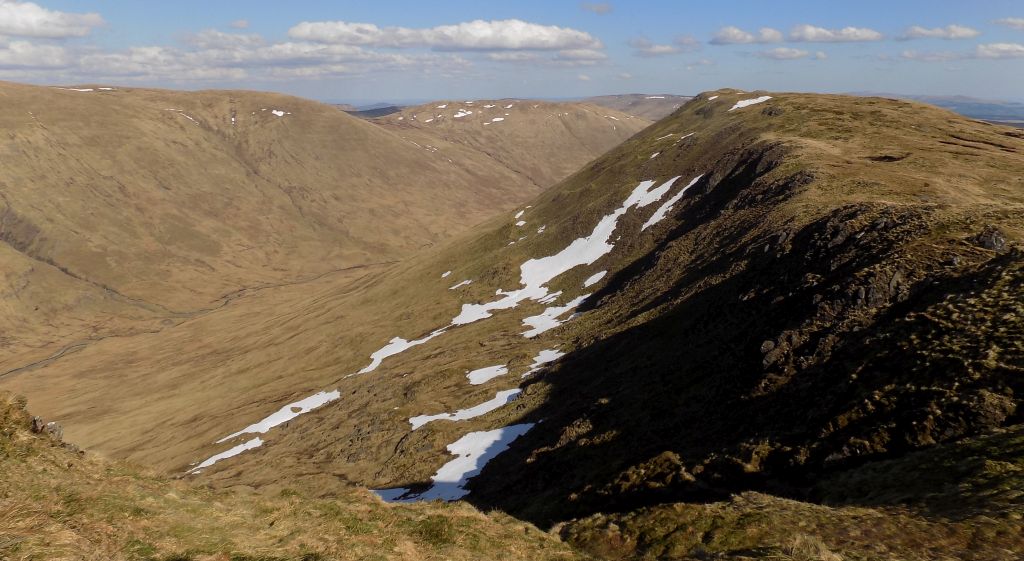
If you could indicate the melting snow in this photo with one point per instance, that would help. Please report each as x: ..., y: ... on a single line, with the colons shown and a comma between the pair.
x: 396, y: 346
x: 484, y: 375
x: 548, y: 319
x: 655, y: 97
x: 542, y: 359
x: 749, y: 102
x: 472, y: 452
x: 497, y: 119
x: 521, y: 223
x: 461, y: 284
x: 248, y: 445
x: 445, y: 274
x: 279, y: 113
x: 287, y: 413
x: 535, y: 273
x: 664, y: 209
x: 594, y: 279
x: 462, y: 113
x: 488, y: 106
x: 442, y: 106
x: 654, y: 155
x: 712, y: 98
x: 519, y: 214
x: 429, y: 120
x: 664, y: 137
x: 501, y: 398
x: 509, y: 106
x: 541, y: 229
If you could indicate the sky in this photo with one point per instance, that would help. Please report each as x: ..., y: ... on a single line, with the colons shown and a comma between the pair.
x: 363, y: 52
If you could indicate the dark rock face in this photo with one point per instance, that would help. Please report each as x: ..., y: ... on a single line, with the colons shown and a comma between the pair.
x: 991, y: 238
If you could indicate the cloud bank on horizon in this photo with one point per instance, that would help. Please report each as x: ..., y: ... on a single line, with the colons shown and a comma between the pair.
x: 539, y: 49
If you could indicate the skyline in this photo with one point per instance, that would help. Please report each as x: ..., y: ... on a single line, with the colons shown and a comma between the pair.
x: 344, y: 51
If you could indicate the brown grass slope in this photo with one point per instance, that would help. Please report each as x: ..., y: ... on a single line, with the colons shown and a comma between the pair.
x: 58, y: 504
x: 539, y: 142
x: 811, y: 306
x: 121, y: 206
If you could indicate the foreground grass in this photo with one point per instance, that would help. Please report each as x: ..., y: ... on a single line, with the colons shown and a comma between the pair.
x: 58, y: 504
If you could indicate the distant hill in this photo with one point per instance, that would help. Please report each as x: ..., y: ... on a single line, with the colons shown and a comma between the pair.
x: 647, y: 106
x: 541, y: 142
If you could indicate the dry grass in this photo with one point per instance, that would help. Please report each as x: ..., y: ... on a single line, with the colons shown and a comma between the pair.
x: 58, y: 505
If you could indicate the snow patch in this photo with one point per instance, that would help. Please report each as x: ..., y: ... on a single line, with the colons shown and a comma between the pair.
x: 748, y: 102
x: 442, y: 106
x: 486, y: 374
x: 397, y: 345
x: 247, y: 445
x: 445, y: 274
x: 712, y: 98
x: 461, y: 284
x: 664, y: 209
x: 594, y: 279
x: 287, y: 413
x: 521, y: 223
x: 462, y: 113
x: 501, y: 398
x: 655, y: 97
x: 542, y: 359
x: 472, y: 452
x: 654, y: 155
x: 548, y: 319
x: 497, y: 119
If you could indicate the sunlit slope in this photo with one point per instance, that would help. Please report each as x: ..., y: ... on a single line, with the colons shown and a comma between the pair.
x: 142, y: 202
x: 780, y: 274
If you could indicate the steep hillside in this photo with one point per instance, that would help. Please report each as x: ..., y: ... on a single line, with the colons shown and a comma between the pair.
x: 653, y: 107
x: 762, y: 296
x: 57, y: 503
x: 124, y: 210
x: 539, y: 142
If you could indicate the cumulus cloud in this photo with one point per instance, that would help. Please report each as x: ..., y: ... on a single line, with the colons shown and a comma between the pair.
x: 645, y: 48
x: 240, y: 24
x: 510, y: 34
x: 28, y: 19
x: 948, y: 32
x: 23, y: 54
x: 1000, y: 50
x: 600, y: 8
x: 583, y: 77
x: 733, y: 35
x: 783, y: 53
x: 813, y: 34
x: 1016, y: 23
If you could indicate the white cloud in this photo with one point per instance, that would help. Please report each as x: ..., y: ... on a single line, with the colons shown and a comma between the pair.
x: 28, y: 19
x: 813, y: 34
x: 510, y: 34
x: 213, y: 39
x: 733, y: 35
x: 23, y: 54
x: 240, y: 24
x: 1000, y: 50
x: 625, y: 76
x: 948, y: 32
x: 820, y: 55
x: 1016, y: 23
x: 583, y: 77
x: 645, y: 48
x: 783, y: 53
x: 600, y: 8
x: 930, y: 56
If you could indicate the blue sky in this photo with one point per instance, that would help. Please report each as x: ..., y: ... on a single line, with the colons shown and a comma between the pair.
x: 371, y: 51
